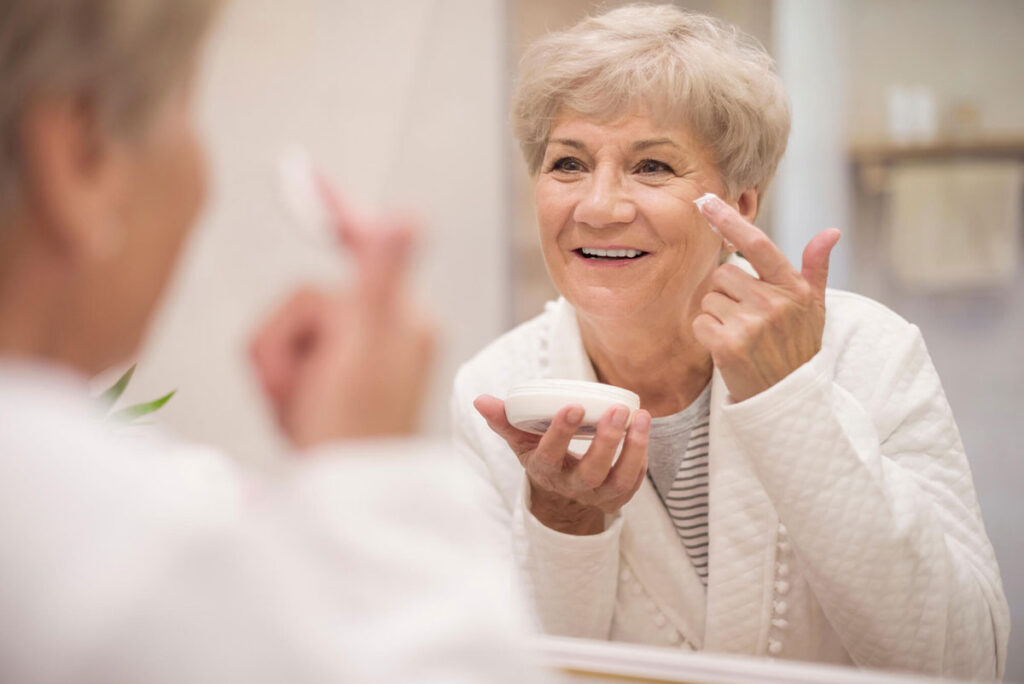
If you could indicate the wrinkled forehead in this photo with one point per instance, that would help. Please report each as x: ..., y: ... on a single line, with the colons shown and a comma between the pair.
x: 635, y: 122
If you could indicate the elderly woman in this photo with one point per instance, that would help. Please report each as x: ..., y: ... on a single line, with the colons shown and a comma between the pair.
x: 124, y: 560
x: 794, y: 484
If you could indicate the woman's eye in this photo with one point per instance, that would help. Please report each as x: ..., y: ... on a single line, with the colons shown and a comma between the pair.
x: 567, y: 164
x: 653, y: 166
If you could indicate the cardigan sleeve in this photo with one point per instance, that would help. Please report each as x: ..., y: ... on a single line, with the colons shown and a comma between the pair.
x: 881, y: 510
x: 475, y: 450
x: 571, y: 580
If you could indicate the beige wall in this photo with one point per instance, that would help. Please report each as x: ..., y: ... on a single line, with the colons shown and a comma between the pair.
x: 338, y: 77
x: 962, y: 50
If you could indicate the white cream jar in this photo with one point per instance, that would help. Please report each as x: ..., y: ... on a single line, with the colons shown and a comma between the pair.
x: 531, y: 406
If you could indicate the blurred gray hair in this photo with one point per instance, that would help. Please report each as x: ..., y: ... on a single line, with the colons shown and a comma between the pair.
x: 680, y: 67
x: 118, y: 56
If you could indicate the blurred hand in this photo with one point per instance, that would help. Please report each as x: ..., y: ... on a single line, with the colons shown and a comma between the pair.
x: 352, y: 363
x: 760, y: 331
x: 571, y: 493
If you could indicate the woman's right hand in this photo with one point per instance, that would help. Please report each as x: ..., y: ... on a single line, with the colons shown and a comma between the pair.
x: 571, y: 493
x: 354, y: 362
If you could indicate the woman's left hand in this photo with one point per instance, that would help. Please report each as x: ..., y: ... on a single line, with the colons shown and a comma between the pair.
x: 760, y: 331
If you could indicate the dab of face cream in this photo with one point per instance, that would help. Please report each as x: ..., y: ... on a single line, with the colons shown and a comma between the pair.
x: 700, y: 202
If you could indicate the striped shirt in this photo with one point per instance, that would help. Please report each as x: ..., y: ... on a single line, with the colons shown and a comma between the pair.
x: 677, y: 457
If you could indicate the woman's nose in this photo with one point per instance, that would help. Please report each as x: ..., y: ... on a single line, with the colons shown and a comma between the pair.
x: 605, y: 201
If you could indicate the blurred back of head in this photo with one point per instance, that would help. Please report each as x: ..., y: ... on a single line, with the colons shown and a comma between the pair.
x: 114, y: 57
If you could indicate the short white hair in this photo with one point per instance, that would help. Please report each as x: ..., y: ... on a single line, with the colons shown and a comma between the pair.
x: 681, y: 67
x: 119, y: 56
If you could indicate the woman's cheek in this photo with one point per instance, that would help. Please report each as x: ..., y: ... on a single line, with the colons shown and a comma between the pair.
x: 552, y: 213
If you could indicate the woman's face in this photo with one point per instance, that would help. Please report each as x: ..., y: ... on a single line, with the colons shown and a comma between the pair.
x: 620, y: 233
x: 163, y: 190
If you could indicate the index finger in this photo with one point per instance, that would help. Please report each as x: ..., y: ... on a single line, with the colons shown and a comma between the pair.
x: 383, y: 264
x: 341, y: 216
x: 766, y: 258
x: 381, y: 249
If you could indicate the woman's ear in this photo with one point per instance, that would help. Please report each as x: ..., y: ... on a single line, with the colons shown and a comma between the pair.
x: 76, y: 177
x: 747, y: 204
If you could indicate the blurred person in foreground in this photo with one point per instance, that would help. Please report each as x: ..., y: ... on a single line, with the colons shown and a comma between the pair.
x: 793, y: 484
x: 119, y: 563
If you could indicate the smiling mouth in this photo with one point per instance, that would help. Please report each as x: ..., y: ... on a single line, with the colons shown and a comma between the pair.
x: 609, y: 254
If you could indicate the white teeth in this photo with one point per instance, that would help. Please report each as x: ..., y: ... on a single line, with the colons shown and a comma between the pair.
x: 611, y: 253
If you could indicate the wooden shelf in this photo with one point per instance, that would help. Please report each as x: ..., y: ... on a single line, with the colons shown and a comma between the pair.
x: 873, y: 161
x: 939, y: 150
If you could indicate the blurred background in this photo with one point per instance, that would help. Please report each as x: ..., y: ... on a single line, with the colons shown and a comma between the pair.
x: 908, y: 133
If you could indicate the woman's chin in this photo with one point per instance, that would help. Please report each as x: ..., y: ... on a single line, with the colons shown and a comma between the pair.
x: 606, y: 302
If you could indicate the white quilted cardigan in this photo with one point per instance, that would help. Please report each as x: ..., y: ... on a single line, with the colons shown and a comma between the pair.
x: 844, y: 526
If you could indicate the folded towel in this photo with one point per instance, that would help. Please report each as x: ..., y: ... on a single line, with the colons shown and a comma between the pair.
x: 955, y: 225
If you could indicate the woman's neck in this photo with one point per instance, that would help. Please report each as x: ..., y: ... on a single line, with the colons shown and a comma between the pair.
x: 662, y: 362
x: 33, y: 291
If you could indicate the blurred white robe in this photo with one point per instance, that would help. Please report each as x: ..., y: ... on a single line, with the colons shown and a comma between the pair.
x: 128, y: 557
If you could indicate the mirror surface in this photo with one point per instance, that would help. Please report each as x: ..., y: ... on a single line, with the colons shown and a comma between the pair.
x: 300, y: 71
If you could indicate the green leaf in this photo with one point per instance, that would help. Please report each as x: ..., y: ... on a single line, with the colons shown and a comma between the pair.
x: 138, y: 410
x: 115, y: 391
